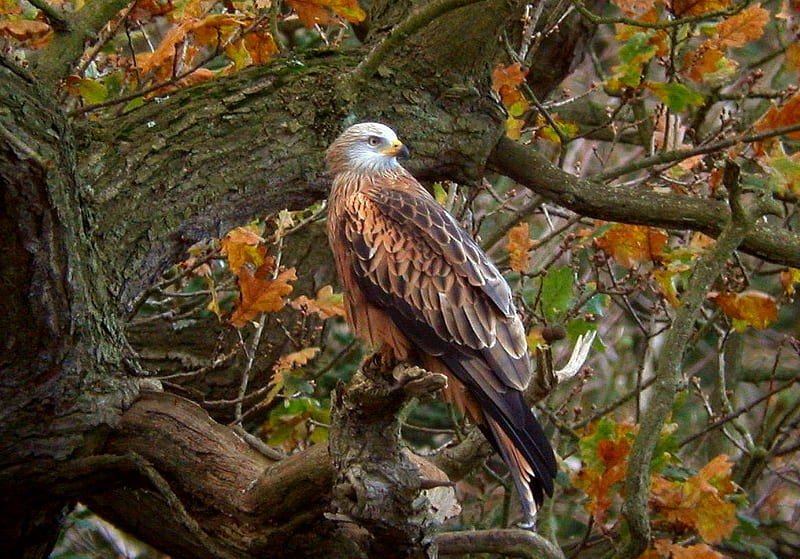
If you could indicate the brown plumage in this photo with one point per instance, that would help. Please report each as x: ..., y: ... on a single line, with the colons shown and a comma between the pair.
x: 418, y: 286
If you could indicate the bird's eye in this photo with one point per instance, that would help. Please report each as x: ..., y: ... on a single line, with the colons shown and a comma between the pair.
x: 373, y: 141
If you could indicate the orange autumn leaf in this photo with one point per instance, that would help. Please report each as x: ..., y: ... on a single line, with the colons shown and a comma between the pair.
x: 705, y: 60
x: 634, y: 7
x: 506, y: 81
x: 739, y: 29
x: 604, y: 454
x: 326, y: 305
x: 310, y: 13
x: 24, y: 29
x: 665, y: 548
x: 295, y: 359
x: 733, y: 32
x: 348, y: 9
x: 211, y: 29
x: 650, y: 553
x: 632, y: 244
x: 261, y: 46
x: 699, y: 503
x: 787, y: 115
x: 199, y: 75
x: 259, y: 293
x: 697, y: 7
x: 318, y: 12
x: 701, y: 240
x: 518, y: 247
x: 754, y: 308
x: 789, y: 277
x: 186, y: 36
x: 244, y: 245
x: 284, y: 366
x: 160, y: 61
x: 793, y: 55
x: 144, y: 10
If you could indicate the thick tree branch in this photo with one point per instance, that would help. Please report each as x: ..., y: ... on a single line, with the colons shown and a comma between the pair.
x: 198, y: 481
x: 643, y: 207
x: 510, y: 543
x: 216, y: 155
x: 228, y: 492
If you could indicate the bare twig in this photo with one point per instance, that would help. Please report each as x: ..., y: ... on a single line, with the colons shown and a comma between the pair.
x: 734, y: 414
x: 251, y: 356
x: 675, y: 156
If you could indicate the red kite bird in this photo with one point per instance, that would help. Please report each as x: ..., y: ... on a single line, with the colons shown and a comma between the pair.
x: 418, y: 287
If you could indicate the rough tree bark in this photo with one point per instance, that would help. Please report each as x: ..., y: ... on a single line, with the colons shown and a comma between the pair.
x: 63, y: 353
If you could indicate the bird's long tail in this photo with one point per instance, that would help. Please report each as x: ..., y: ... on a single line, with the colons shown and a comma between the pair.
x: 508, y: 423
x: 529, y: 486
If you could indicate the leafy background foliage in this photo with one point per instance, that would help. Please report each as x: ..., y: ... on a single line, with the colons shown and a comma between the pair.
x: 683, y: 76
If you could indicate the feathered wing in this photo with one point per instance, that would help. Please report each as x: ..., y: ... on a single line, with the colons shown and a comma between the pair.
x: 411, y: 260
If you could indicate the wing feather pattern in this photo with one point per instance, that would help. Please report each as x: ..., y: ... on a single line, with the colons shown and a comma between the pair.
x: 413, y: 261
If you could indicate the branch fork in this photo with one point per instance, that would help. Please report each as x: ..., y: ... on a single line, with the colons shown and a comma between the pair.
x: 397, y: 497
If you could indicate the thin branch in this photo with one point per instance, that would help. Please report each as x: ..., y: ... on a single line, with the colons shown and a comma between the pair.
x: 613, y: 405
x: 734, y: 414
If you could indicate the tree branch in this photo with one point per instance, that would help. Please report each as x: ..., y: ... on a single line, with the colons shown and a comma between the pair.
x: 512, y: 543
x: 460, y: 459
x: 670, y: 367
x: 378, y: 486
x: 203, y: 478
x: 644, y: 207
x: 54, y: 16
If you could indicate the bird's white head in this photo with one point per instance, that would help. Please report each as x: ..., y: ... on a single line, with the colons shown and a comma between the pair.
x: 368, y: 147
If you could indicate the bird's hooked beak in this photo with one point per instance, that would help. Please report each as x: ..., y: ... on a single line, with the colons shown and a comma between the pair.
x: 398, y: 150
